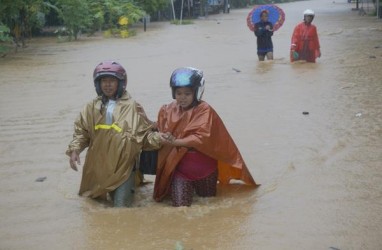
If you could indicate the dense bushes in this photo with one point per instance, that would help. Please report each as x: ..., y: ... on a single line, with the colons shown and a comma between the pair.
x: 26, y: 17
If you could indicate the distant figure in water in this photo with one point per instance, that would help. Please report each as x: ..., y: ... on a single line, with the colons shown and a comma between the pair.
x: 199, y: 151
x: 305, y: 43
x: 264, y: 33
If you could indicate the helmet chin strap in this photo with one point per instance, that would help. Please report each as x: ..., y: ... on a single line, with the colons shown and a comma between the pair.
x: 104, y: 99
x: 195, y: 103
x: 120, y: 90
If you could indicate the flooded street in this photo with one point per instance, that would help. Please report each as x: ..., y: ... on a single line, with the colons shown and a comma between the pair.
x: 320, y: 174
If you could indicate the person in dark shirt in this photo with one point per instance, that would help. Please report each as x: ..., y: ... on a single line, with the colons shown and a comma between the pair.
x: 264, y: 32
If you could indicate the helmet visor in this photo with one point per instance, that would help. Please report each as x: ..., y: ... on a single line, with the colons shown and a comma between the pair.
x: 182, y: 78
x: 108, y: 73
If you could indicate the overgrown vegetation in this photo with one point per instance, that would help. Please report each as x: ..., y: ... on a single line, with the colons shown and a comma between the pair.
x: 20, y: 19
x: 183, y: 22
x: 5, y: 39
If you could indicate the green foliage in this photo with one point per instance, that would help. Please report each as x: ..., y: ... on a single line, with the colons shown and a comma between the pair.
x: 24, y: 17
x: 4, y: 33
x: 184, y: 22
x: 106, y: 13
x: 5, y: 39
x: 76, y: 16
x: 124, y: 8
x: 96, y: 16
x: 133, y: 12
x: 152, y: 6
x: 63, y: 34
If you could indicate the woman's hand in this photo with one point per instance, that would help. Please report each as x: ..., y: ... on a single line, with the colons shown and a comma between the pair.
x: 154, y: 126
x: 167, y: 138
x: 74, y: 160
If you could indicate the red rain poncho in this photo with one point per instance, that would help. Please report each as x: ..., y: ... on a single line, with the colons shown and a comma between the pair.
x: 305, y: 40
x: 203, y: 129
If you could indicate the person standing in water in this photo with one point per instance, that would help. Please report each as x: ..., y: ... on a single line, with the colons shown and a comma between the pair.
x: 305, y: 44
x: 264, y: 32
x: 198, y: 151
x: 114, y: 130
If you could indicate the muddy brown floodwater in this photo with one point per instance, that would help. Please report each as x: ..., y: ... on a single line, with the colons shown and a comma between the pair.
x: 320, y: 173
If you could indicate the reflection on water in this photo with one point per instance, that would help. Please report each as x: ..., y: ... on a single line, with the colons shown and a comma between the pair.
x: 320, y: 173
x: 264, y: 67
x: 160, y: 226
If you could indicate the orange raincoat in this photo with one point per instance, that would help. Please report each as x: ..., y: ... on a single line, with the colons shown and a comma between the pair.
x: 112, y: 149
x: 305, y: 40
x: 202, y: 127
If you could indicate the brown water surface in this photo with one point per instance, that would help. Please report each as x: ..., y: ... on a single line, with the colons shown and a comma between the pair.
x: 320, y: 173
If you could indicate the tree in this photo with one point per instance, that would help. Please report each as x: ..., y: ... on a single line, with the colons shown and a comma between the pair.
x: 106, y: 14
x: 153, y: 6
x: 75, y: 15
x: 22, y: 17
x: 5, y: 39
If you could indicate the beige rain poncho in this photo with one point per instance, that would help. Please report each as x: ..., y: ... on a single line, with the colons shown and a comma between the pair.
x: 112, y: 149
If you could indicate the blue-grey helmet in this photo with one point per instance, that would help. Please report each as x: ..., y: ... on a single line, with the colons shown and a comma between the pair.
x: 188, y: 77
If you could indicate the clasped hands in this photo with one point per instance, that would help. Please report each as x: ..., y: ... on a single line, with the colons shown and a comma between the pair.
x: 167, y: 138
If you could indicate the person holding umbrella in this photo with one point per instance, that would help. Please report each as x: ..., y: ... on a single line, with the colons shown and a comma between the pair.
x: 264, y: 32
x: 263, y: 20
x: 305, y: 43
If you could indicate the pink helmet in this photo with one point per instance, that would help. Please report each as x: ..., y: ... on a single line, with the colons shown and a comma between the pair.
x: 110, y: 68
